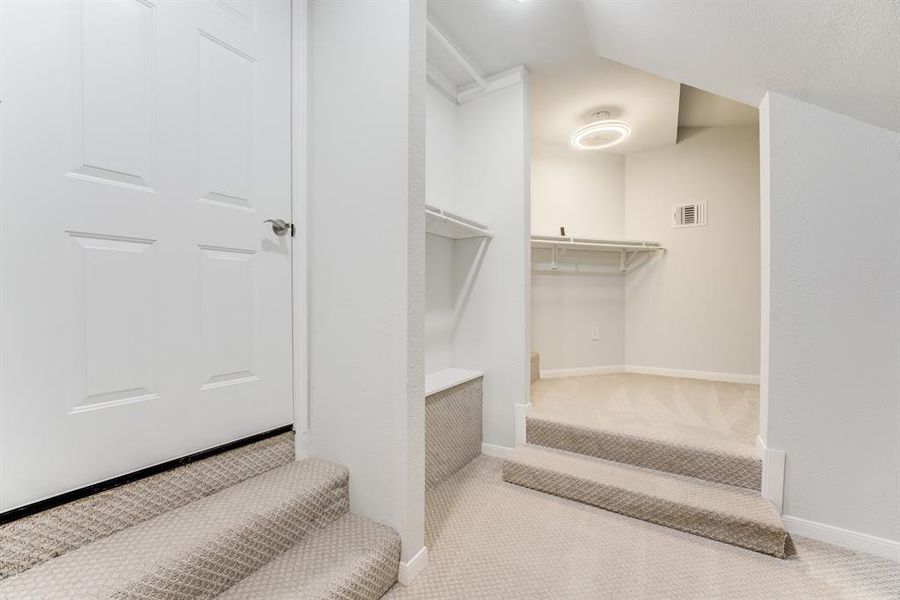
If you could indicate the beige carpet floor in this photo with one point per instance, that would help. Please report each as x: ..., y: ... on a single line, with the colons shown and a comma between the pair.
x: 492, y: 540
x: 685, y: 410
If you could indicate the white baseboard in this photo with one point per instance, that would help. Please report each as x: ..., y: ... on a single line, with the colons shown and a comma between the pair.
x: 772, y: 474
x: 684, y: 373
x: 302, y: 445
x: 412, y: 568
x: 861, y: 542
x: 705, y: 375
x: 495, y: 450
x: 522, y: 412
x: 554, y: 373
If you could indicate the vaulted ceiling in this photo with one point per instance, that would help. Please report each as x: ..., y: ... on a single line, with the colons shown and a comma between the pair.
x: 842, y: 55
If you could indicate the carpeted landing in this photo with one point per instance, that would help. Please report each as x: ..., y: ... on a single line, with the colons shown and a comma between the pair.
x: 250, y: 523
x: 490, y: 540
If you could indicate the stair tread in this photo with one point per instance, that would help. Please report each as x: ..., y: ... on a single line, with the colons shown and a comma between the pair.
x: 352, y: 557
x: 670, y: 438
x: 729, y: 502
x: 201, y: 548
x: 37, y: 538
x: 729, y: 463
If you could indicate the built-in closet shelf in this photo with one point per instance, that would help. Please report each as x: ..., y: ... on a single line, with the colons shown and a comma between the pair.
x: 627, y: 249
x: 449, y: 225
x: 448, y: 378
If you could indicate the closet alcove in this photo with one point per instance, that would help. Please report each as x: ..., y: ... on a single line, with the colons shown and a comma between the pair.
x: 477, y: 261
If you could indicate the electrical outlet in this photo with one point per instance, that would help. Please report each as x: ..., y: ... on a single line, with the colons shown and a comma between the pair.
x: 595, y: 333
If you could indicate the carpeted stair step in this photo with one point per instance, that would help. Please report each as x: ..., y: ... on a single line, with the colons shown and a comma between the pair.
x: 37, y: 538
x: 351, y: 559
x: 199, y: 549
x: 725, y: 513
x: 729, y: 463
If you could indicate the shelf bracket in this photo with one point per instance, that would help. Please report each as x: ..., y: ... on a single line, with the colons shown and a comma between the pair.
x: 556, y: 253
x: 625, y: 260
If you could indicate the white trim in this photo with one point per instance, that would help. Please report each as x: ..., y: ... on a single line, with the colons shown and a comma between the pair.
x: 765, y: 261
x: 772, y: 474
x: 683, y: 373
x: 453, y: 49
x: 411, y: 569
x: 495, y: 450
x: 302, y: 445
x: 300, y: 324
x: 578, y: 371
x: 495, y: 83
x: 705, y: 375
x: 439, y: 81
x: 522, y: 412
x: 861, y: 542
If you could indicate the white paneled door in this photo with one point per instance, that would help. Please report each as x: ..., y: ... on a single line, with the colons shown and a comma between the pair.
x: 146, y: 306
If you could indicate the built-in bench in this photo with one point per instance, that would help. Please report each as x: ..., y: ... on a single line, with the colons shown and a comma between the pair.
x: 453, y: 399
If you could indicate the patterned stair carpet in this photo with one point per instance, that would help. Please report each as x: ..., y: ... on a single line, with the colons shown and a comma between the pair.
x: 352, y: 559
x: 38, y: 538
x: 283, y: 533
x: 721, y: 512
x: 732, y: 464
x: 490, y: 540
x: 670, y: 451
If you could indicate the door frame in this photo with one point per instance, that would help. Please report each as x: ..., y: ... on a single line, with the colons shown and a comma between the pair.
x: 299, y: 254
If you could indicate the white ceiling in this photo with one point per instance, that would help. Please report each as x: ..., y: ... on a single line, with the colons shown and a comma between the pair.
x: 841, y: 55
x: 497, y: 35
x: 564, y: 95
x: 568, y: 81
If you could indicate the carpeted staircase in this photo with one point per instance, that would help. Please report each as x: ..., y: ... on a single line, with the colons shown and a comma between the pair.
x: 709, y: 490
x: 249, y: 523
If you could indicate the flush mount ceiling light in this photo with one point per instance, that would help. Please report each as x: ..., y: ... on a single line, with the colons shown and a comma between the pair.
x: 601, y: 133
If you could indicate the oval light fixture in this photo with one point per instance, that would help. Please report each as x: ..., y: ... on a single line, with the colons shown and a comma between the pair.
x: 601, y: 133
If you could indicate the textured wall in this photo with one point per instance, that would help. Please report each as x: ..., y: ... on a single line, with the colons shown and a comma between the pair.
x: 366, y: 293
x: 696, y: 306
x: 831, y: 346
x: 414, y: 531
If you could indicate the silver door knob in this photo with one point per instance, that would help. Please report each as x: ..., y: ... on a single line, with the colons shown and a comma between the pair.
x: 279, y: 226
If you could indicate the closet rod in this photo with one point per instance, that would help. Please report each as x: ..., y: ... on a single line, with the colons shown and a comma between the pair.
x: 471, y: 228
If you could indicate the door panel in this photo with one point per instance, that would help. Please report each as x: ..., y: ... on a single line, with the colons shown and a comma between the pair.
x: 146, y: 307
x: 114, y: 321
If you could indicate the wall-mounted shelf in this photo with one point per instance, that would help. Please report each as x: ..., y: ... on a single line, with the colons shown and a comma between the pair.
x: 448, y: 378
x: 627, y: 249
x: 446, y: 224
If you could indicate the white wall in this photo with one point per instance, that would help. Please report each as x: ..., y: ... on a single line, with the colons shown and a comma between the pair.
x: 696, y: 307
x: 641, y: 318
x: 585, y: 192
x: 441, y: 293
x: 832, y: 344
x: 440, y: 149
x: 366, y: 254
x: 566, y: 307
x: 440, y: 191
x: 486, y: 140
